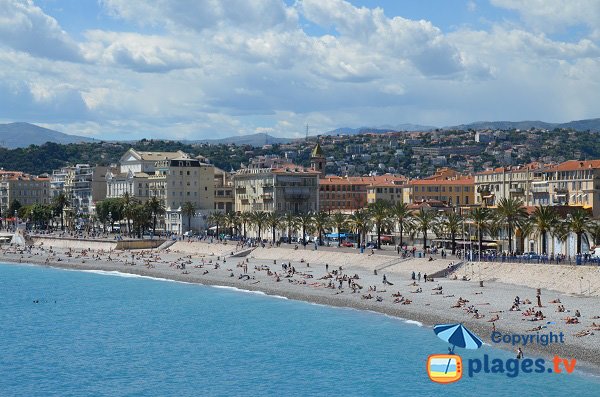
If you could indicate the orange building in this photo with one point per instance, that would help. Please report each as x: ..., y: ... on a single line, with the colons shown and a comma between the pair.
x: 454, y: 191
x: 351, y: 193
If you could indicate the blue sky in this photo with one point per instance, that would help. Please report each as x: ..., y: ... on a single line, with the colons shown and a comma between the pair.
x: 199, y: 68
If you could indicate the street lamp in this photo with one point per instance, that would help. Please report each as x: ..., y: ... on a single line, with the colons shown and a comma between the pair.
x: 110, y: 220
x: 16, y: 213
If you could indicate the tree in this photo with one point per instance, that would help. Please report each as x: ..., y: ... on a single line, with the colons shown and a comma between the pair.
x: 481, y: 218
x: 60, y: 202
x: 544, y: 219
x: 403, y: 217
x: 245, y: 219
x: 40, y: 214
x: 305, y: 221
x: 189, y: 210
x: 452, y: 224
x: 424, y: 221
x: 128, y: 205
x: 340, y: 221
x: 320, y: 222
x: 579, y: 222
x: 232, y: 220
x: 291, y: 223
x: 360, y: 220
x: 13, y: 207
x: 156, y: 208
x: 380, y: 216
x: 594, y: 230
x: 219, y: 220
x: 273, y: 220
x: 259, y: 219
x: 140, y: 215
x: 525, y: 227
x: 510, y: 211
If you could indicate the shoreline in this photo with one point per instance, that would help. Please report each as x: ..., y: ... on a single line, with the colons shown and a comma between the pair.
x: 588, y: 360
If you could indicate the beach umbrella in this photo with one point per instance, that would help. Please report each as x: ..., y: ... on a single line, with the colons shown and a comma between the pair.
x: 457, y: 335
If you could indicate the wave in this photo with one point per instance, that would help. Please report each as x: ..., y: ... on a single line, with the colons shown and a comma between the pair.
x: 248, y: 291
x: 414, y: 322
x: 129, y: 275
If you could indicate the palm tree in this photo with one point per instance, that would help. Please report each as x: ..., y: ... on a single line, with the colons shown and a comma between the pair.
x: 340, y: 221
x: 320, y: 222
x: 156, y: 208
x: 232, y: 220
x: 578, y: 224
x: 594, y: 230
x: 402, y: 215
x: 217, y: 218
x: 380, y: 214
x: 424, y: 221
x: 245, y: 219
x: 544, y: 219
x: 188, y: 209
x: 510, y: 211
x: 452, y: 224
x: 60, y: 202
x: 481, y: 218
x: 259, y: 219
x: 128, y: 205
x: 273, y: 221
x: 525, y: 227
x: 360, y: 220
x: 291, y: 223
x: 305, y: 221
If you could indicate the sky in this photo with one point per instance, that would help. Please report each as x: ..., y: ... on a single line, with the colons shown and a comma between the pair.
x: 194, y: 69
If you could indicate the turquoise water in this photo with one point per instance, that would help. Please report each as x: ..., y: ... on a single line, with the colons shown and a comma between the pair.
x: 101, y: 335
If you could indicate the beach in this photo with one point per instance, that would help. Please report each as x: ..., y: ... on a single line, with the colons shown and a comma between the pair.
x: 310, y: 275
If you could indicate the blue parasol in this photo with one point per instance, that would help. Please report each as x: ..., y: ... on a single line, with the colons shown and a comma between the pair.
x: 457, y: 335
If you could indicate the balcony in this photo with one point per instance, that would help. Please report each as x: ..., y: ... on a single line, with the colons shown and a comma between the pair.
x: 296, y: 193
x: 516, y: 190
x: 267, y: 196
x: 539, y: 187
x: 240, y: 189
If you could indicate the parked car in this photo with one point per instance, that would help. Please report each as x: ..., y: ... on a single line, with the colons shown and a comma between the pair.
x: 371, y: 245
x: 347, y: 244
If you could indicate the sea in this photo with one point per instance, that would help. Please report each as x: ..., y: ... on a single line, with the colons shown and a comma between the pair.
x: 94, y: 333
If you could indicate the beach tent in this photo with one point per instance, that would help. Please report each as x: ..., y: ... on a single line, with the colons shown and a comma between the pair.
x: 336, y: 235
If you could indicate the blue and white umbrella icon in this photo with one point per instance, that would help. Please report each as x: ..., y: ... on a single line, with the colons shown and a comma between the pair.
x: 457, y: 335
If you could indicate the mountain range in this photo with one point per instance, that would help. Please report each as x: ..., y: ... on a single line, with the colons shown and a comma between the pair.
x: 20, y: 134
x: 15, y: 135
x: 577, y: 125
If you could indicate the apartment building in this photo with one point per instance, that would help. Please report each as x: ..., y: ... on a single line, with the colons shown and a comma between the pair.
x: 517, y: 182
x: 183, y: 179
x: 282, y: 187
x: 386, y: 188
x: 453, y: 191
x: 135, y: 168
x: 24, y: 188
x: 224, y: 198
x: 82, y: 184
x: 571, y: 183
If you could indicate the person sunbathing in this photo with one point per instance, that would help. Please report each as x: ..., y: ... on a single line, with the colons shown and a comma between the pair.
x: 368, y: 296
x: 398, y: 300
x: 397, y: 294
x: 555, y: 301
x: 407, y: 302
x: 437, y: 293
x: 495, y: 318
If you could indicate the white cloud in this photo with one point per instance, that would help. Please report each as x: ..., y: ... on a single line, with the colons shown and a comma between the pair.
x: 554, y: 15
x: 138, y: 52
x: 25, y: 27
x: 218, y: 68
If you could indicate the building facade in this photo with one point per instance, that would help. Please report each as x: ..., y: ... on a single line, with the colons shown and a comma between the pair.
x: 83, y: 186
x: 24, y: 188
x: 224, y: 197
x: 280, y: 188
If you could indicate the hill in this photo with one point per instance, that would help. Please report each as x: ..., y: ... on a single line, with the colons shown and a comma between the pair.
x: 379, y: 130
x: 577, y: 125
x: 256, y: 140
x: 16, y: 135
